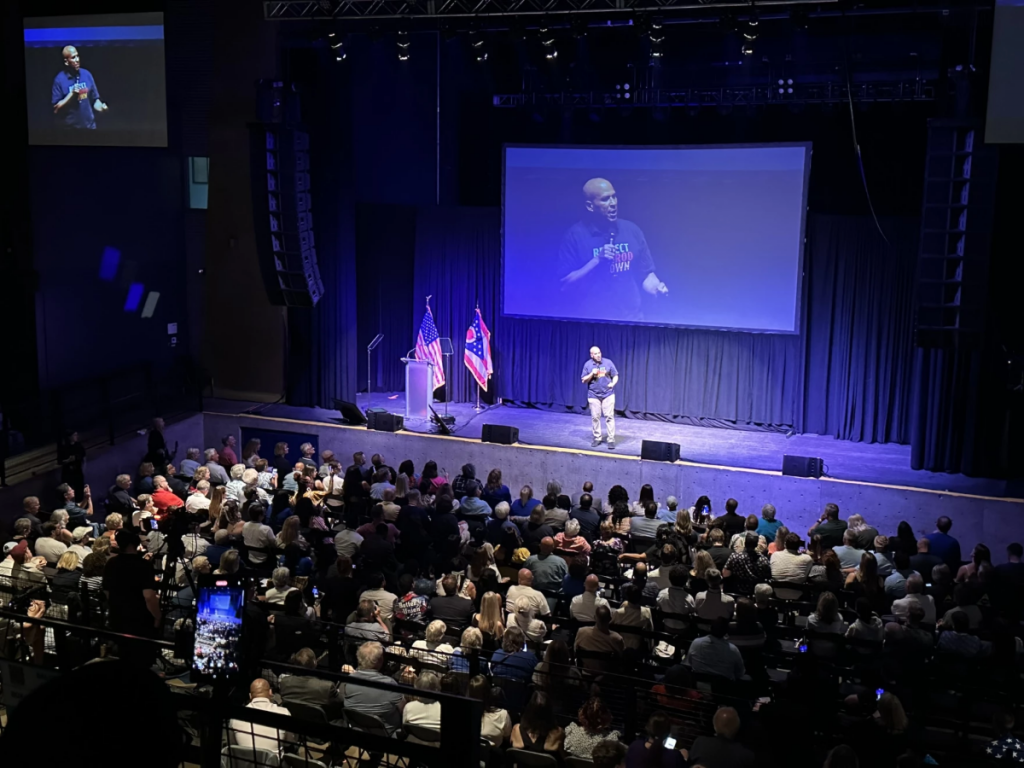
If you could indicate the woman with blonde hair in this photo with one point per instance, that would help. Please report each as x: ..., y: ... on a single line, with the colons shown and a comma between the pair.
x: 609, y: 542
x: 217, y: 496
x: 290, y: 534
x: 489, y: 620
x: 684, y: 525
x: 702, y: 563
x: 433, y: 649
x: 114, y: 523
x: 401, y: 489
x: 469, y: 649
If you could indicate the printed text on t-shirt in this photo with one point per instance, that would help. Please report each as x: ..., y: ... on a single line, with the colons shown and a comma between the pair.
x: 622, y: 259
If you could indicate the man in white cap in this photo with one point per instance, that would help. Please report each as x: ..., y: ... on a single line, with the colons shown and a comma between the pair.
x: 81, y: 543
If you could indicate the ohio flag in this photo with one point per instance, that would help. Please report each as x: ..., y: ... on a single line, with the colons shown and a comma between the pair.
x: 428, y: 347
x: 478, y: 351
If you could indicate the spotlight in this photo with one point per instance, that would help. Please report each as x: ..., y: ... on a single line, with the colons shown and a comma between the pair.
x: 547, y: 41
x: 622, y: 91
x: 750, y: 32
x: 656, y: 33
x: 747, y: 49
x: 404, y: 48
x: 477, y: 43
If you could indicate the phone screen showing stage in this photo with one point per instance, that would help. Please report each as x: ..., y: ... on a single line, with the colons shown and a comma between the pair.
x: 96, y: 80
x: 698, y: 237
x: 217, y: 650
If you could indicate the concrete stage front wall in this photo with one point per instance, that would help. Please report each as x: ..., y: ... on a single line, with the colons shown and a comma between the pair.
x: 799, y: 501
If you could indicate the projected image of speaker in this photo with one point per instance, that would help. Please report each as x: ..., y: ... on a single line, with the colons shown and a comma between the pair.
x: 652, y: 450
x: 382, y: 421
x: 349, y: 412
x: 499, y: 433
x: 801, y: 466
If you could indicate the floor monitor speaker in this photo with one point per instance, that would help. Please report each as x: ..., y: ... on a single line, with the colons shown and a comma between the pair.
x: 349, y: 411
x: 652, y: 450
x: 499, y: 433
x: 801, y: 466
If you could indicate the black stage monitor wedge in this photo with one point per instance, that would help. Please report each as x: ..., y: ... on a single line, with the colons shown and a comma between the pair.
x: 499, y: 433
x: 652, y: 450
x: 382, y: 421
x: 349, y: 411
x: 801, y: 466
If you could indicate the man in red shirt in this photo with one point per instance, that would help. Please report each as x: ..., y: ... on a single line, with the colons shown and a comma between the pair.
x: 228, y: 457
x: 163, y: 497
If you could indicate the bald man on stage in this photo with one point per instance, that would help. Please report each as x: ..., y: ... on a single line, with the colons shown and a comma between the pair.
x: 604, y: 261
x: 75, y: 98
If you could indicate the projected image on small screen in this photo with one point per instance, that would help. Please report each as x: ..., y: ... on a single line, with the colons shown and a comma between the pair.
x: 218, y: 630
x: 96, y: 80
x: 707, y: 237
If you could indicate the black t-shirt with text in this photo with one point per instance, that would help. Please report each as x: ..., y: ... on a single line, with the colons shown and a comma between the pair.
x: 611, y: 290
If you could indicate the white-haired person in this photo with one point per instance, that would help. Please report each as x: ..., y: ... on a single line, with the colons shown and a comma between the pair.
x: 251, y: 482
x: 767, y: 526
x: 307, y: 452
x: 190, y: 463
x: 500, y: 522
x: 236, y: 486
x: 200, y: 499
x: 281, y: 579
x: 218, y: 475
x: 433, y: 649
x: 569, y: 543
x: 522, y: 617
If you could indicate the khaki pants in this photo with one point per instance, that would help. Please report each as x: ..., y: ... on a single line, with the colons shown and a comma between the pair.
x: 599, y: 408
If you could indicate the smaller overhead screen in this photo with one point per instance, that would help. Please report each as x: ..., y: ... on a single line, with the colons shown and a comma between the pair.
x: 96, y: 80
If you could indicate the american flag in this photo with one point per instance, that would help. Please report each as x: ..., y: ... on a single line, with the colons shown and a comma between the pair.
x: 478, y: 351
x: 428, y: 347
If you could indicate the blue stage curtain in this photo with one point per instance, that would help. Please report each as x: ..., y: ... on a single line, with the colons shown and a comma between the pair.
x: 386, y: 244
x: 458, y: 263
x: 859, y: 328
x: 856, y: 348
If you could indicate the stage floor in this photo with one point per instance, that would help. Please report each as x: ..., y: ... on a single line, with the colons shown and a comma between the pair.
x: 879, y: 463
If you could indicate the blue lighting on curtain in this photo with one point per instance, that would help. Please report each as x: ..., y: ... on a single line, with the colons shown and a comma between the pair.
x: 135, y: 291
x: 109, y: 263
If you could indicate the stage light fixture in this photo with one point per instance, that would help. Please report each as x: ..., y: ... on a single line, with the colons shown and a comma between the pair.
x: 747, y: 49
x: 404, y: 47
x: 547, y: 41
x: 656, y: 33
x: 751, y: 31
x: 478, y: 44
x: 622, y: 91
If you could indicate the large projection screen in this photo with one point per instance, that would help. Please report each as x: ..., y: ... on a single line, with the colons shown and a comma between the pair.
x: 696, y: 237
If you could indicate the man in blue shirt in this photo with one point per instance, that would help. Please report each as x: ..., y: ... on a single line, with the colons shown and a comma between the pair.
x: 587, y: 517
x: 601, y: 376
x: 944, y: 546
x: 75, y: 97
x: 603, y: 260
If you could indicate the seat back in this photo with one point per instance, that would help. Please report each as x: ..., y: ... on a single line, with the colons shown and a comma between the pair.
x: 235, y: 756
x: 310, y: 712
x: 301, y: 761
x: 422, y: 734
x: 527, y: 759
x: 369, y: 723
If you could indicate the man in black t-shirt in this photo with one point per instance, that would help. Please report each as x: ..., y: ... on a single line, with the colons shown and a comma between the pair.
x: 603, y: 260
x: 128, y: 580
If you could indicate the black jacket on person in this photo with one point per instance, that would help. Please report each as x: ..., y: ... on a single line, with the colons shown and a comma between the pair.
x: 119, y: 500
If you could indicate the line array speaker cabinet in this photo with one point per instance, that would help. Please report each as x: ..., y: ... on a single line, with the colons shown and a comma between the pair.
x: 499, y: 433
x: 382, y: 421
x: 283, y: 215
x: 652, y: 450
x: 801, y: 466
